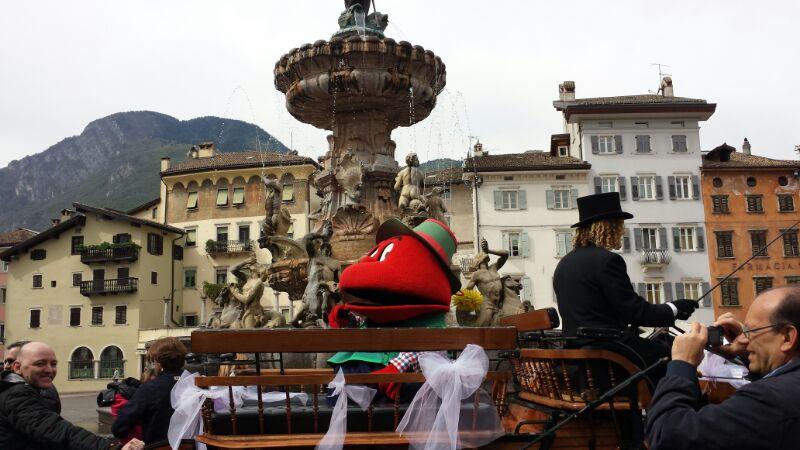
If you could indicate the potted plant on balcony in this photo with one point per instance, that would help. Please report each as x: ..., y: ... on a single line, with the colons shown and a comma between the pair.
x: 211, y: 246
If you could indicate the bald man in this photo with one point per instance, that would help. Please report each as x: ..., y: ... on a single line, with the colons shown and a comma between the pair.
x: 27, y: 419
x: 764, y: 414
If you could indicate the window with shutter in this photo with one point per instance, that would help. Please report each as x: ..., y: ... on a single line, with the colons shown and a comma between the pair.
x: 690, y: 290
x: 654, y: 292
x: 222, y: 197
x: 120, y: 315
x: 191, y: 237
x: 37, y: 281
x: 509, y: 199
x: 561, y: 199
x: 683, y: 187
x: 790, y: 243
x: 646, y: 187
x: 642, y: 143
x: 605, y: 145
x: 191, y: 200
x: 687, y: 240
x: 513, y: 240
x: 35, y: 318
x: 785, y: 203
x: 75, y: 317
x: 755, y: 204
x: 76, y: 245
x: 524, y: 245
x: 190, y: 278
x: 679, y: 143
x: 608, y: 183
x: 155, y: 244
x: 720, y: 204
x: 287, y: 182
x: 238, y: 196
x: 650, y: 239
x: 724, y: 244
x: 762, y: 284
x: 38, y: 254
x: 729, y: 290
x: 563, y: 243
x: 527, y: 289
x: 97, y: 315
x: 758, y: 243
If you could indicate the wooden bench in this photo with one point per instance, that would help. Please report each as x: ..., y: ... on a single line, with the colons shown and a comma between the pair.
x: 282, y: 427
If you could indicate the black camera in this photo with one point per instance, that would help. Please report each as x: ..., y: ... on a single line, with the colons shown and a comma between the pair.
x: 715, y: 335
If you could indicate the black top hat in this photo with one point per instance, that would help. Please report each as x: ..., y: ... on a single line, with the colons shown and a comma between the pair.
x: 592, y: 208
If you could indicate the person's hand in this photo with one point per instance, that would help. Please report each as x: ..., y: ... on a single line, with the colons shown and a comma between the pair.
x: 391, y: 389
x: 484, y: 246
x: 134, y: 444
x: 689, y: 346
x: 732, y: 328
x: 685, y: 308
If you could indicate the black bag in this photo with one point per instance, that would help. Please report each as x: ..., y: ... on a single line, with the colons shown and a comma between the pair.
x: 126, y: 387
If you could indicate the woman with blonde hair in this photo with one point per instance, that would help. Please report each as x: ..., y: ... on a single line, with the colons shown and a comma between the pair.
x: 593, y: 289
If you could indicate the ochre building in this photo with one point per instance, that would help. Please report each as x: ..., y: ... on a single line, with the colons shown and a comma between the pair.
x: 749, y: 200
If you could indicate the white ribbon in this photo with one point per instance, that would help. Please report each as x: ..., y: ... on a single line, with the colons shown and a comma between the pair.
x: 432, y: 420
x: 716, y: 368
x: 241, y: 393
x: 187, y: 400
x: 361, y: 395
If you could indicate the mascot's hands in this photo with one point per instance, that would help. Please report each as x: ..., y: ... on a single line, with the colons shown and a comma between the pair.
x: 392, y: 390
x: 685, y: 308
x: 689, y: 346
x: 339, y: 317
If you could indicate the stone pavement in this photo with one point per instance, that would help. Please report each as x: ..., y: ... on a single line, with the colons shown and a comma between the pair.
x: 80, y: 409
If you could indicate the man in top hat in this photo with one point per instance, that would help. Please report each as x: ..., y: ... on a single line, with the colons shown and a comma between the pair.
x: 593, y: 289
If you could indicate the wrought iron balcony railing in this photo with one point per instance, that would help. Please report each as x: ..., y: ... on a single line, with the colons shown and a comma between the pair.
x: 111, y: 286
x: 229, y: 247
x: 654, y: 259
x: 112, y: 254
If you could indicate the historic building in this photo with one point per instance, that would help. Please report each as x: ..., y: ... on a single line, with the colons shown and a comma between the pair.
x: 525, y: 203
x: 218, y: 199
x: 750, y: 200
x: 457, y: 196
x: 647, y: 148
x: 8, y: 240
x: 88, y: 285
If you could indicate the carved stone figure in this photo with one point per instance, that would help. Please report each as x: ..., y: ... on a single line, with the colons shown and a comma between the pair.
x: 252, y: 278
x: 277, y: 218
x: 231, y: 311
x: 349, y: 175
x: 374, y: 23
x: 500, y: 293
x: 409, y: 184
x: 322, y: 289
x: 435, y: 205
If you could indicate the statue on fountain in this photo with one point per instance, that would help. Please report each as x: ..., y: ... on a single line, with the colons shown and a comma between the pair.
x: 241, y: 301
x: 409, y: 183
x: 500, y: 293
x: 322, y: 290
x: 373, y: 24
x: 434, y: 204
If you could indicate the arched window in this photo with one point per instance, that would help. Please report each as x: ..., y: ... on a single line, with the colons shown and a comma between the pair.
x: 81, y: 364
x: 287, y: 182
x: 112, y: 365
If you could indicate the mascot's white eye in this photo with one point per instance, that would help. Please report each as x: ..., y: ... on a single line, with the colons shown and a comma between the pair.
x: 386, y: 252
x: 374, y: 252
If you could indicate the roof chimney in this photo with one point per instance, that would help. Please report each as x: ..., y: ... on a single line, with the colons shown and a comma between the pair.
x: 55, y: 221
x: 206, y: 150
x: 479, y: 150
x: 193, y: 152
x: 164, y: 163
x: 566, y: 91
x: 746, y: 147
x: 666, y: 87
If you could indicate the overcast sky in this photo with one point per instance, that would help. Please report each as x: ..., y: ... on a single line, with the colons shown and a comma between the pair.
x: 66, y: 63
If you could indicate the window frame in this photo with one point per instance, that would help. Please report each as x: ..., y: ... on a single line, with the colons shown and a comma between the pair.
x: 38, y: 312
x: 510, y: 235
x: 790, y: 239
x: 186, y: 272
x: 684, y: 234
x: 757, y: 206
x: 192, y: 200
x: 770, y: 281
x: 720, y: 204
x: 654, y: 296
x: 75, y: 242
x: 761, y: 245
x: 238, y: 193
x: 40, y: 277
x: 675, y: 143
x: 566, y: 237
x: 614, y: 179
x: 196, y: 320
x: 684, y: 189
x: 655, y: 236
x: 227, y: 233
x: 513, y: 194
x: 189, y: 232
x: 79, y: 279
x: 123, y: 311
x: 696, y: 287
x: 155, y: 244
x: 726, y: 234
x: 730, y: 288
x: 783, y: 206
x: 95, y: 309
x: 72, y: 310
x: 651, y: 183
x: 222, y: 194
x: 565, y: 200
x: 606, y: 144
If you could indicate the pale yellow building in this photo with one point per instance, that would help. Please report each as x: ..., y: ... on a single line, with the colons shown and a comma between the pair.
x: 217, y: 198
x: 88, y: 285
x: 457, y: 196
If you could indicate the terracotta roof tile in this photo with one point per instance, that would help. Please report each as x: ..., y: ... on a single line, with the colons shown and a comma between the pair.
x: 531, y: 160
x: 11, y: 238
x: 230, y: 160
x: 740, y: 160
x: 627, y: 100
x: 448, y: 175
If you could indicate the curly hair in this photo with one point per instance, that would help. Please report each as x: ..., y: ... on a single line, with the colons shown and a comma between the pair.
x: 169, y: 352
x: 606, y: 233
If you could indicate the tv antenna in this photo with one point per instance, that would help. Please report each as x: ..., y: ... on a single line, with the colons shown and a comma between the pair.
x: 661, y: 75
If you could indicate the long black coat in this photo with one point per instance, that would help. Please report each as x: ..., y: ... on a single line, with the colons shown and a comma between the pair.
x: 29, y: 421
x: 764, y: 414
x: 151, y: 407
x: 593, y: 290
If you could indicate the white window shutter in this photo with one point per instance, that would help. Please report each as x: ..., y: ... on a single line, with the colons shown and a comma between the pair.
x: 561, y: 245
x: 573, y: 198
x: 621, y: 188
x: 498, y: 200
x: 524, y: 246
x: 522, y: 200
x: 700, y: 238
x: 695, y: 187
x: 527, y: 289
x: 550, y: 196
x: 506, y: 242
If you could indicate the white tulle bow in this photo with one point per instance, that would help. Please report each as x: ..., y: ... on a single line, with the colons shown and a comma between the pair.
x: 361, y: 395
x: 187, y: 400
x: 432, y: 420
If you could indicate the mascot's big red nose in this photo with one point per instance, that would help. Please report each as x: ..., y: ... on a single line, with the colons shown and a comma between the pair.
x: 400, y: 271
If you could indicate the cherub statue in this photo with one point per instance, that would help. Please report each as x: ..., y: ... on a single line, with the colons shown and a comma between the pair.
x: 252, y: 278
x: 349, y: 175
x: 230, y: 314
x: 500, y: 293
x: 435, y: 205
x: 277, y: 218
x: 409, y: 183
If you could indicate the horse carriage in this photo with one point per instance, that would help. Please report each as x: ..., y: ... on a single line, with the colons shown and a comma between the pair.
x: 532, y: 384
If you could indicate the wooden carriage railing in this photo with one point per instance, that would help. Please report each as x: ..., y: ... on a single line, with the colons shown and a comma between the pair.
x: 312, y: 381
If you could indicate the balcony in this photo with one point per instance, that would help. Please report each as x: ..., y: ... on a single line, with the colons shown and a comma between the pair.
x: 112, y: 286
x: 229, y: 247
x: 654, y: 259
x: 100, y: 255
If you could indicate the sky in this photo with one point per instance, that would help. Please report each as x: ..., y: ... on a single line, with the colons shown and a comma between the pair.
x: 64, y: 64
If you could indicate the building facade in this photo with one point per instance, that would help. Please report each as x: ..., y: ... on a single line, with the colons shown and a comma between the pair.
x: 8, y: 240
x: 87, y: 285
x: 525, y: 203
x: 647, y: 148
x: 457, y: 196
x: 749, y: 201
x: 218, y: 200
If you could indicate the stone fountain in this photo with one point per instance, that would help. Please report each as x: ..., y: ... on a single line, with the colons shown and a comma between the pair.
x: 360, y: 86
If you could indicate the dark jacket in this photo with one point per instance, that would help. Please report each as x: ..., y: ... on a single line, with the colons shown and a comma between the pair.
x: 764, y: 414
x: 593, y: 290
x: 29, y: 420
x: 151, y: 407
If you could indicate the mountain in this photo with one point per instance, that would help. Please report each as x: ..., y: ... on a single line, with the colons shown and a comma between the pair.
x: 439, y: 164
x: 114, y: 162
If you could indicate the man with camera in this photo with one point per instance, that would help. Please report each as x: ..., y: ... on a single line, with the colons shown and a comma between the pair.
x: 763, y: 414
